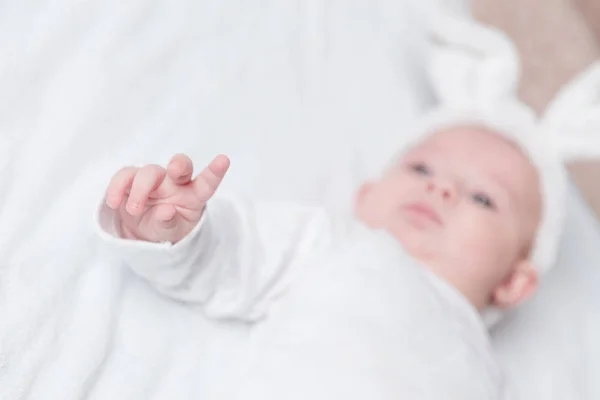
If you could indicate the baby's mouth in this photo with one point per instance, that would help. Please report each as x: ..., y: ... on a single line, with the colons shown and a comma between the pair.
x: 424, y: 211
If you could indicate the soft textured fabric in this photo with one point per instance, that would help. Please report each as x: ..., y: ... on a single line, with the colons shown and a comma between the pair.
x: 339, y: 311
x: 364, y: 320
x: 233, y: 263
x: 92, y: 86
x: 553, y: 38
x: 88, y: 87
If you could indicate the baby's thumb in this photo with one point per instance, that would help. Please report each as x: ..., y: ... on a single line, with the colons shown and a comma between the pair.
x: 167, y: 224
x: 165, y: 215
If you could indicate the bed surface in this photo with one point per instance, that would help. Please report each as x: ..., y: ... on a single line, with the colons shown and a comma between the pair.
x: 302, y: 95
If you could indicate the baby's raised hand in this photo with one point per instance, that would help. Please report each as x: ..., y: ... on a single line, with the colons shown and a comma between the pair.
x: 163, y: 205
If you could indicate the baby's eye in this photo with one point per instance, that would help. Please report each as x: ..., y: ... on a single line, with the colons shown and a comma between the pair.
x: 420, y: 168
x: 483, y: 200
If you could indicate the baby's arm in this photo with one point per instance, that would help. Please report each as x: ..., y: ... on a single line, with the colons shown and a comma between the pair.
x: 232, y: 261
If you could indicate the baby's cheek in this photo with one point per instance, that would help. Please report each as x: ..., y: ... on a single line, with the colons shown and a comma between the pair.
x: 389, y: 199
x: 376, y: 209
x: 496, y: 241
x: 482, y: 237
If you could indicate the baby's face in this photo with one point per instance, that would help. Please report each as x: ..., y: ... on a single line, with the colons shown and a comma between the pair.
x: 467, y: 203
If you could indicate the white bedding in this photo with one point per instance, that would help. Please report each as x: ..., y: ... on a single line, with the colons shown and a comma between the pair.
x: 363, y: 321
x: 302, y: 95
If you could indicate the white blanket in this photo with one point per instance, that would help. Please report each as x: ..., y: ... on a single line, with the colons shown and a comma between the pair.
x: 87, y: 87
x: 365, y: 321
x: 78, y: 326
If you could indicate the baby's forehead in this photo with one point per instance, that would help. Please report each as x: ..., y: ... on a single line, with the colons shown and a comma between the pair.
x: 469, y: 137
x: 476, y: 145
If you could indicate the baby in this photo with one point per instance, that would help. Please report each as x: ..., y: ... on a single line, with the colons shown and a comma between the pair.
x: 457, y: 229
x: 464, y: 202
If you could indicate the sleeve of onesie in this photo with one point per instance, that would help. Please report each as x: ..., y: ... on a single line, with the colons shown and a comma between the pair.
x: 233, y: 263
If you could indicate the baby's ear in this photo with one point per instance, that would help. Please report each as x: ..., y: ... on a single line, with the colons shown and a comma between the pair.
x: 520, y: 284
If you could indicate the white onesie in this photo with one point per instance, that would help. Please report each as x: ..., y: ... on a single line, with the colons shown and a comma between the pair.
x: 338, y: 311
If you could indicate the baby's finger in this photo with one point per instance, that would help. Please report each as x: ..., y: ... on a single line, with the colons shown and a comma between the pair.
x: 145, y: 182
x: 208, y: 181
x: 118, y: 186
x: 180, y: 169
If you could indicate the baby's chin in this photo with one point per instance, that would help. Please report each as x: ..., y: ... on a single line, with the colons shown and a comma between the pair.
x: 420, y: 244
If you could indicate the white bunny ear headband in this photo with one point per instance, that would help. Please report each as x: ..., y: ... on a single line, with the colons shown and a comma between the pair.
x: 475, y: 71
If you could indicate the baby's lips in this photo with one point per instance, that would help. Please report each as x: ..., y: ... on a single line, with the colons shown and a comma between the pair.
x: 425, y: 211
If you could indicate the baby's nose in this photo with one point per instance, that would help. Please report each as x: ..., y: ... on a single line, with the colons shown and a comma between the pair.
x: 444, y: 188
